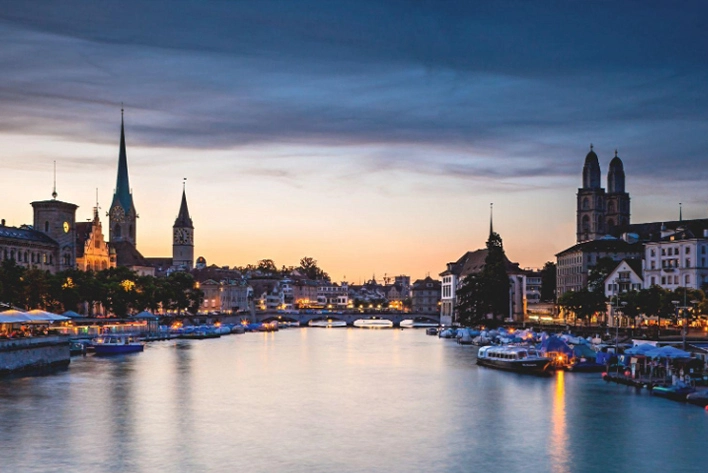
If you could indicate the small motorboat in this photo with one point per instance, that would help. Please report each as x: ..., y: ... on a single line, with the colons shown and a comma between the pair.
x: 520, y: 359
x: 116, y: 344
x: 431, y: 331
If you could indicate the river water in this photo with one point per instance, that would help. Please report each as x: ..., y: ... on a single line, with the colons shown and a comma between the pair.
x: 334, y: 400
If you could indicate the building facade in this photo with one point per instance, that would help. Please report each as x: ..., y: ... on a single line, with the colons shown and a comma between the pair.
x: 678, y: 258
x: 574, y: 264
x: 425, y: 296
x: 92, y: 251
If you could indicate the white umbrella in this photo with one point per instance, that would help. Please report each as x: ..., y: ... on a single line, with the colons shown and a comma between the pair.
x: 14, y: 317
x: 41, y: 315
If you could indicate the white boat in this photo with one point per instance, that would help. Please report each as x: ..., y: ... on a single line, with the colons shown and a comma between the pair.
x: 327, y: 323
x: 373, y: 323
x: 414, y: 323
x: 513, y: 358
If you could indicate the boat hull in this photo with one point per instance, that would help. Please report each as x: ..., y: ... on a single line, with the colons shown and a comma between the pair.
x: 327, y: 324
x: 674, y: 394
x: 375, y: 323
x: 539, y: 367
x: 106, y: 349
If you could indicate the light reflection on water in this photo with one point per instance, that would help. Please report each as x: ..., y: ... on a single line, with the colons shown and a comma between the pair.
x: 323, y: 400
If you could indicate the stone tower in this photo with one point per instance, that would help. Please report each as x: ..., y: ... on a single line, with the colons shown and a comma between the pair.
x: 591, y: 201
x: 57, y: 220
x: 183, y: 238
x: 617, y: 200
x: 122, y: 215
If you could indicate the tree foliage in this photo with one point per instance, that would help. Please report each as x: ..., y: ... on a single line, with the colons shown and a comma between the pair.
x: 486, y: 293
x: 548, y: 282
x: 119, y: 290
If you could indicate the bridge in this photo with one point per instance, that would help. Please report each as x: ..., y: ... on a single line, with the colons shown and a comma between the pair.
x: 304, y: 319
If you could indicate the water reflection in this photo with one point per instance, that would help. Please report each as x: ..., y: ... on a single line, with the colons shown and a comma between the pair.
x: 558, y: 448
x: 345, y: 400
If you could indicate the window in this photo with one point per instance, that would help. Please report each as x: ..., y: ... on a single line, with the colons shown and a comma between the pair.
x: 653, y: 265
x: 688, y: 250
x: 676, y: 279
x: 687, y: 280
x: 688, y: 262
x: 653, y: 252
x: 653, y: 280
x: 663, y: 280
x: 46, y: 227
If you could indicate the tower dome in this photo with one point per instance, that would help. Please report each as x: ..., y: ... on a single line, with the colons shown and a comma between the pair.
x: 591, y: 171
x: 615, y: 176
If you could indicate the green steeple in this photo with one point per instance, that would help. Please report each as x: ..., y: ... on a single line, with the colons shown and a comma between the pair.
x: 122, y: 196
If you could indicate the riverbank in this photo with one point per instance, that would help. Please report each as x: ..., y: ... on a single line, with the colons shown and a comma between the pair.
x: 32, y: 355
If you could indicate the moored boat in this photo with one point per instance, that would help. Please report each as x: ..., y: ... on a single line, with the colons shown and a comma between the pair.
x: 513, y: 358
x: 327, y: 323
x: 418, y: 322
x: 116, y: 344
x: 373, y: 323
x: 699, y: 398
x: 677, y: 392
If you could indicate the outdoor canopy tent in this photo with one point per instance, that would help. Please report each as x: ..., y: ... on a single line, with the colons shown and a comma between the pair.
x: 641, y: 349
x: 554, y: 344
x: 14, y: 317
x: 668, y: 352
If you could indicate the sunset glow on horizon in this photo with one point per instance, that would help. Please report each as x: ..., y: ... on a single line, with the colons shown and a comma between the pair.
x: 373, y: 143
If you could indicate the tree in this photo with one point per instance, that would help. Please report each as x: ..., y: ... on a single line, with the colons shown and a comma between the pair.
x: 11, y: 275
x: 548, y: 282
x: 486, y: 292
x: 583, y: 303
x: 471, y: 300
x: 267, y: 266
x: 495, y: 278
x: 308, y: 266
x: 598, y: 273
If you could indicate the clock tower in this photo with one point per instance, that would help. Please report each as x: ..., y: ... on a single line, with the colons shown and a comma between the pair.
x: 122, y: 215
x: 57, y: 220
x: 183, y: 238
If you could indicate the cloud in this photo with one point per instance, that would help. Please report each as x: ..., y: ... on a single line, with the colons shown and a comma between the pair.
x: 470, y: 85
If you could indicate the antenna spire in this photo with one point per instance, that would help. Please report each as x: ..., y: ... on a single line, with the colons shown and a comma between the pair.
x: 54, y: 191
x: 680, y: 212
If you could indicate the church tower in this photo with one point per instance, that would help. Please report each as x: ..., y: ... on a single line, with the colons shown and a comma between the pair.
x: 57, y: 220
x: 591, y: 201
x: 617, y: 214
x: 122, y: 215
x: 183, y: 237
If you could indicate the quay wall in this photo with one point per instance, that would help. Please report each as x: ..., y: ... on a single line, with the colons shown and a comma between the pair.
x: 33, y: 354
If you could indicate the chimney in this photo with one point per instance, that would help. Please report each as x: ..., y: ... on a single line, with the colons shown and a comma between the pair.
x: 2, y: 223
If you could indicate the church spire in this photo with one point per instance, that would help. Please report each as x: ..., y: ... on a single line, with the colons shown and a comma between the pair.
x: 183, y: 219
x: 491, y: 219
x: 122, y: 195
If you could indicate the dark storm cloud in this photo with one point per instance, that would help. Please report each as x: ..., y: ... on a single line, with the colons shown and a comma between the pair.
x: 532, y: 83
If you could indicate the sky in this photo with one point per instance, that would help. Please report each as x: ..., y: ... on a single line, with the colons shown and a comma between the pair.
x: 369, y: 135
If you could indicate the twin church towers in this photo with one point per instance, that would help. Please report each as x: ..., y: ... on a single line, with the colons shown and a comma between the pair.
x: 123, y: 217
x: 600, y: 213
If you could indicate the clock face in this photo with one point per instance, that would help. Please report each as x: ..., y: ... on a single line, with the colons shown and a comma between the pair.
x: 117, y: 214
x: 66, y: 227
x: 179, y: 235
